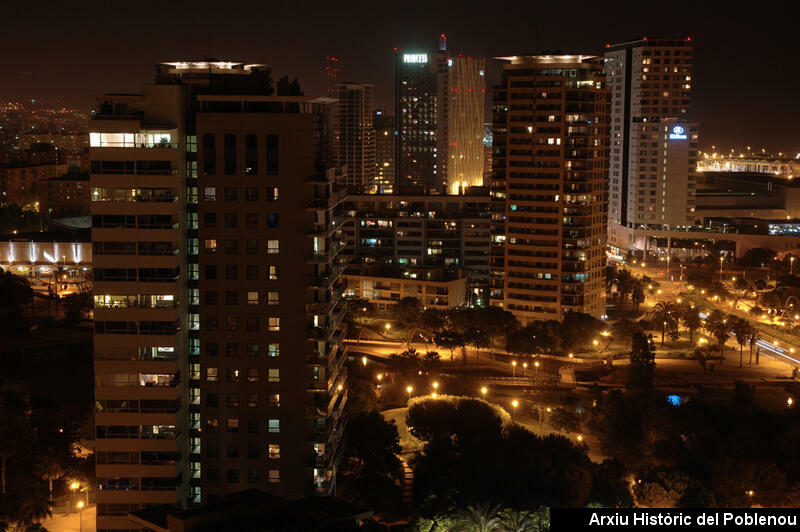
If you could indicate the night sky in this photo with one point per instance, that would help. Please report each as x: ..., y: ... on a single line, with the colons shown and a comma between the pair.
x: 745, y: 87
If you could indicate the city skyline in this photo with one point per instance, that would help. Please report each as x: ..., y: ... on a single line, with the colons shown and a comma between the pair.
x: 298, y: 45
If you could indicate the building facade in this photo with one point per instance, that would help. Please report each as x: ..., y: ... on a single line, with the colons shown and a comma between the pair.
x: 421, y: 89
x: 355, y: 136
x: 465, y: 133
x: 383, y: 125
x: 653, y: 157
x: 549, y: 187
x: 217, y: 357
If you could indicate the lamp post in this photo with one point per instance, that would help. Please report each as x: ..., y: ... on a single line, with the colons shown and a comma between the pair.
x: 514, y: 368
x: 435, y: 388
x: 409, y: 389
x: 515, y: 403
x: 524, y: 369
x: 483, y: 392
x: 791, y: 265
x: 536, y: 365
x: 80, y: 506
x: 721, y: 259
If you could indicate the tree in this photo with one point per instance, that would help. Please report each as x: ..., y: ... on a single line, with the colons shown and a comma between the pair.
x: 757, y: 257
x: 660, y: 488
x: 717, y: 326
x: 665, y: 314
x: 741, y: 329
x: 642, y: 361
x: 482, y: 517
x: 625, y: 283
x: 690, y: 318
x: 563, y: 419
x: 578, y: 328
x: 536, y: 337
x: 524, y: 521
x: 15, y: 293
x: 361, y: 397
x: 371, y: 472
x: 495, y: 323
x: 637, y: 295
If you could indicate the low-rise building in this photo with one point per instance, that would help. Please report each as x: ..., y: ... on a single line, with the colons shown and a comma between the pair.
x: 385, y: 286
x: 67, y: 194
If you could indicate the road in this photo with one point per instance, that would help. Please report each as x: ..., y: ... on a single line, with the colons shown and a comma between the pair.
x: 777, y: 348
x: 72, y: 522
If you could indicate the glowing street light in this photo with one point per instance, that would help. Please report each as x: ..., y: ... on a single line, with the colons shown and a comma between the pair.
x: 433, y: 395
x: 409, y: 389
x: 580, y: 437
x: 435, y: 385
x: 514, y: 368
x: 380, y: 377
x: 515, y: 404
x: 388, y: 326
x: 524, y: 369
x: 364, y: 360
x: 483, y: 391
x: 789, y: 401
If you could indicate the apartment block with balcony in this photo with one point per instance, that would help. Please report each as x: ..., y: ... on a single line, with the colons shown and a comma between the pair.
x: 272, y: 381
x: 138, y: 232
x: 217, y: 237
x: 434, y: 232
x: 549, y: 187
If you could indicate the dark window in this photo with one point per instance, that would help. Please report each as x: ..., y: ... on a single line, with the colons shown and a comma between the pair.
x: 232, y: 450
x: 232, y: 349
x: 231, y: 246
x: 253, y: 426
x: 212, y: 400
x: 230, y: 154
x: 252, y: 247
x: 230, y: 220
x: 252, y: 324
x: 233, y: 476
x: 231, y: 272
x: 209, y: 154
x: 272, y: 221
x: 251, y: 220
x: 211, y: 297
x: 212, y: 348
x: 211, y: 271
x: 212, y: 451
x: 211, y: 323
x: 251, y: 193
x: 272, y: 155
x: 231, y: 298
x: 252, y: 450
x: 231, y: 194
x: 251, y: 154
x: 251, y: 272
x: 210, y: 219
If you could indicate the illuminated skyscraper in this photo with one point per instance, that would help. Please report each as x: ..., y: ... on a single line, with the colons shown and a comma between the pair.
x: 383, y: 125
x: 421, y: 111
x: 355, y: 136
x: 465, y: 134
x: 653, y: 153
x: 549, y: 187
x: 440, y: 108
x: 216, y: 239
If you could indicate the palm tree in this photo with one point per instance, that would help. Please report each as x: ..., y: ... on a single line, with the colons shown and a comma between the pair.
x: 483, y: 517
x: 718, y: 326
x: 666, y: 313
x: 690, y: 318
x: 519, y: 521
x: 741, y: 329
x: 752, y: 339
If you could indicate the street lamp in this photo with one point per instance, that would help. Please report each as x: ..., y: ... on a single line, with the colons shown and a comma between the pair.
x: 524, y: 369
x: 435, y: 387
x: 789, y: 401
x: 514, y: 368
x: 409, y: 389
x: 364, y: 360
x: 580, y: 437
x: 80, y: 506
x: 388, y: 326
x: 515, y: 403
x: 483, y: 392
x: 536, y: 365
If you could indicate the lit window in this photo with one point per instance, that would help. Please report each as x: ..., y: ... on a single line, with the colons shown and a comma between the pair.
x: 274, y: 451
x: 210, y: 246
x: 272, y: 298
x: 273, y: 247
x: 233, y: 424
x: 274, y: 400
x: 252, y: 298
x: 272, y: 272
x: 274, y: 476
x: 274, y: 324
x: 274, y: 375
x: 274, y: 426
x: 252, y: 374
x: 211, y: 374
x: 273, y: 350
x: 210, y: 193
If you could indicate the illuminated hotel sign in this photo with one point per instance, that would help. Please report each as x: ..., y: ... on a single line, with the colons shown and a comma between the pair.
x: 415, y: 58
x: 678, y: 133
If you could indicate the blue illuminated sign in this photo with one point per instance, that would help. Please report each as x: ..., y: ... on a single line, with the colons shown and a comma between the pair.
x: 678, y: 133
